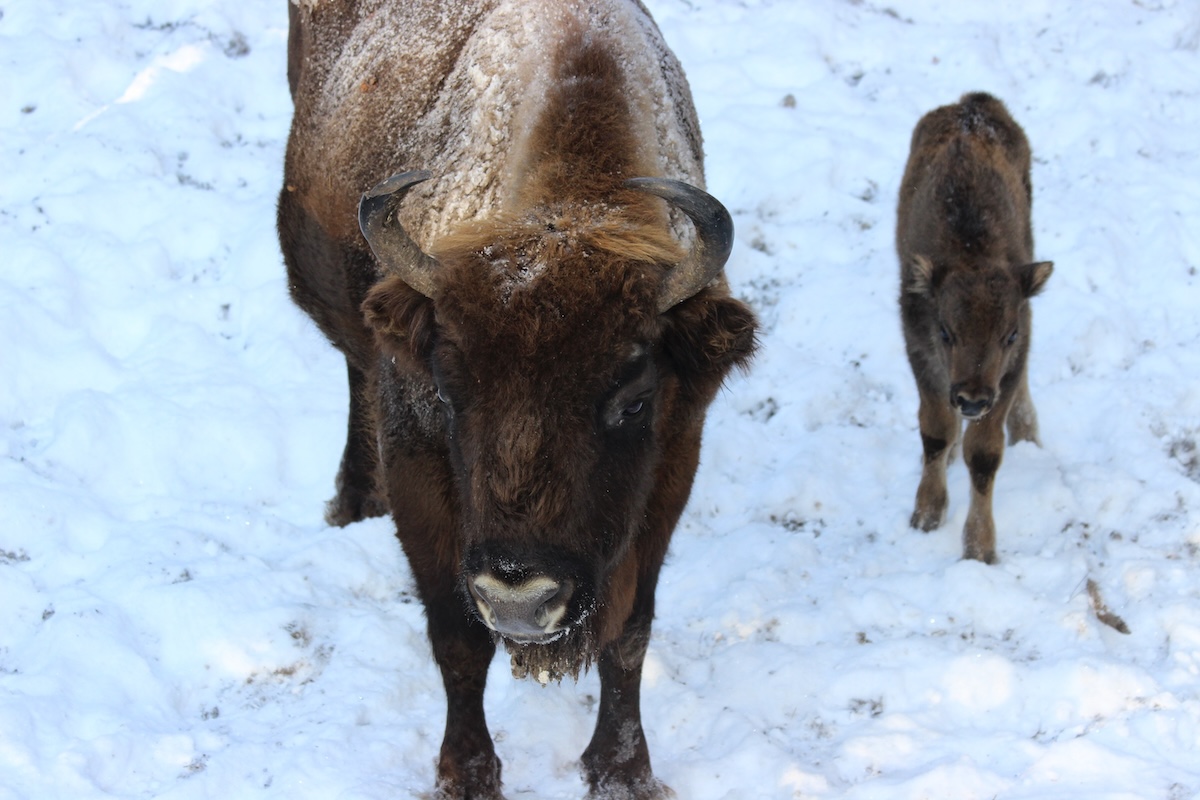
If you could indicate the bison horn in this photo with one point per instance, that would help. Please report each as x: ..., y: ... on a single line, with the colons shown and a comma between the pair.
x: 714, y: 232
x: 392, y: 245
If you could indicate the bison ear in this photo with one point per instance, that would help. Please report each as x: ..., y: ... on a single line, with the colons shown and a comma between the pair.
x: 402, y: 319
x: 917, y: 276
x: 1032, y: 277
x: 708, y: 335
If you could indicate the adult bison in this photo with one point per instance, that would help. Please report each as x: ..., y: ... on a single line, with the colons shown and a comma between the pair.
x: 967, y: 272
x: 532, y: 334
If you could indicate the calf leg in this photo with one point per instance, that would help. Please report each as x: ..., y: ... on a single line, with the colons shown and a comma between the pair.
x: 357, y: 490
x: 616, y: 763
x: 939, y: 432
x: 983, y: 449
x: 1022, y: 417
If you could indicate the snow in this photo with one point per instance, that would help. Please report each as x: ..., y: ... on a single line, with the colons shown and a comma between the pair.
x: 177, y: 621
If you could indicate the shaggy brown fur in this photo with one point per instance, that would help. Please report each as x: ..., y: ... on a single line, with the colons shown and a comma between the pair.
x: 965, y: 243
x: 534, y: 415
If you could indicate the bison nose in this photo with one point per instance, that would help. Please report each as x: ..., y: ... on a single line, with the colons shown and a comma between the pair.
x: 530, y: 611
x: 972, y: 404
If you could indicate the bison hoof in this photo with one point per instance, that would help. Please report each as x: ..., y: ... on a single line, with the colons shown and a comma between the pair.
x: 445, y: 793
x: 648, y: 789
x: 483, y: 786
x: 349, y: 507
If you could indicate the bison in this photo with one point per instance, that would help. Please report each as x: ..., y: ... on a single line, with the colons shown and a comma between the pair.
x: 967, y: 272
x: 494, y: 209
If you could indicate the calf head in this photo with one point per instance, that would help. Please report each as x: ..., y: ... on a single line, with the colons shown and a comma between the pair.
x: 573, y: 351
x: 979, y: 318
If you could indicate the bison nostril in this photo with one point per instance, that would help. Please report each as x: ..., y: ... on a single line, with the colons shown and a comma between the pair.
x: 485, y: 610
x: 532, y: 609
x: 550, y: 613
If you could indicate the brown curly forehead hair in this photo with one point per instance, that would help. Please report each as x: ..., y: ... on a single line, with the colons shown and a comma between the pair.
x: 538, y: 282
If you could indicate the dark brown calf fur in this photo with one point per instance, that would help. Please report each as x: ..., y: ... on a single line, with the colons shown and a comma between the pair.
x: 531, y: 338
x: 966, y: 275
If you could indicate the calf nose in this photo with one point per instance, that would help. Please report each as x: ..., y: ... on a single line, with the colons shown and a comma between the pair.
x: 972, y: 404
x: 530, y: 611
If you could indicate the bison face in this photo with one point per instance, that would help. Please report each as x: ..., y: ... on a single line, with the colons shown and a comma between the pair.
x: 554, y: 453
x: 572, y: 406
x: 977, y: 320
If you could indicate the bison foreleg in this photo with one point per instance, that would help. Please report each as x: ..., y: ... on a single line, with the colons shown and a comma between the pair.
x: 616, y: 763
x: 468, y: 768
x: 419, y: 493
x: 939, y: 433
x: 357, y: 490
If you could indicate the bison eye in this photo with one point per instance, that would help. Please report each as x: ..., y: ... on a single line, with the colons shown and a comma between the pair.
x: 629, y: 413
x: 444, y: 399
x: 1012, y: 339
x: 945, y: 334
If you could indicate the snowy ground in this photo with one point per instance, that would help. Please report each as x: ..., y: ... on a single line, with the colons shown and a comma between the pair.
x: 176, y: 621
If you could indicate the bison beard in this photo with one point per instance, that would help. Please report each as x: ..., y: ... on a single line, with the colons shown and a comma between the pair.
x: 566, y: 656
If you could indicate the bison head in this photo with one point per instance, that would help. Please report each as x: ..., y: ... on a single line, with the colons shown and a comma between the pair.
x: 980, y: 319
x: 572, y: 351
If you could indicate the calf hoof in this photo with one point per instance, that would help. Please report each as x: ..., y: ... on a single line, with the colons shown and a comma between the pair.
x: 1022, y: 425
x: 927, y: 520
x: 1018, y: 434
x: 980, y: 554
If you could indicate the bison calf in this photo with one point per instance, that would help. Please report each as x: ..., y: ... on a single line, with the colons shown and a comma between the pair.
x: 966, y: 275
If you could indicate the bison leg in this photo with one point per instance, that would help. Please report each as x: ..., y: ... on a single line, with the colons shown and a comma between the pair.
x: 983, y: 448
x: 616, y: 763
x: 468, y: 768
x: 357, y: 491
x: 419, y: 491
x: 1022, y: 417
x: 939, y: 433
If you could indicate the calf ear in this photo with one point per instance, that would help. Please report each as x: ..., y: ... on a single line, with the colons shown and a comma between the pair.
x: 401, y: 318
x: 917, y: 276
x: 708, y: 335
x: 1032, y: 277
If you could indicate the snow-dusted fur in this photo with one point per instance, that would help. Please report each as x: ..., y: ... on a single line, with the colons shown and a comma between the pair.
x: 456, y: 89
